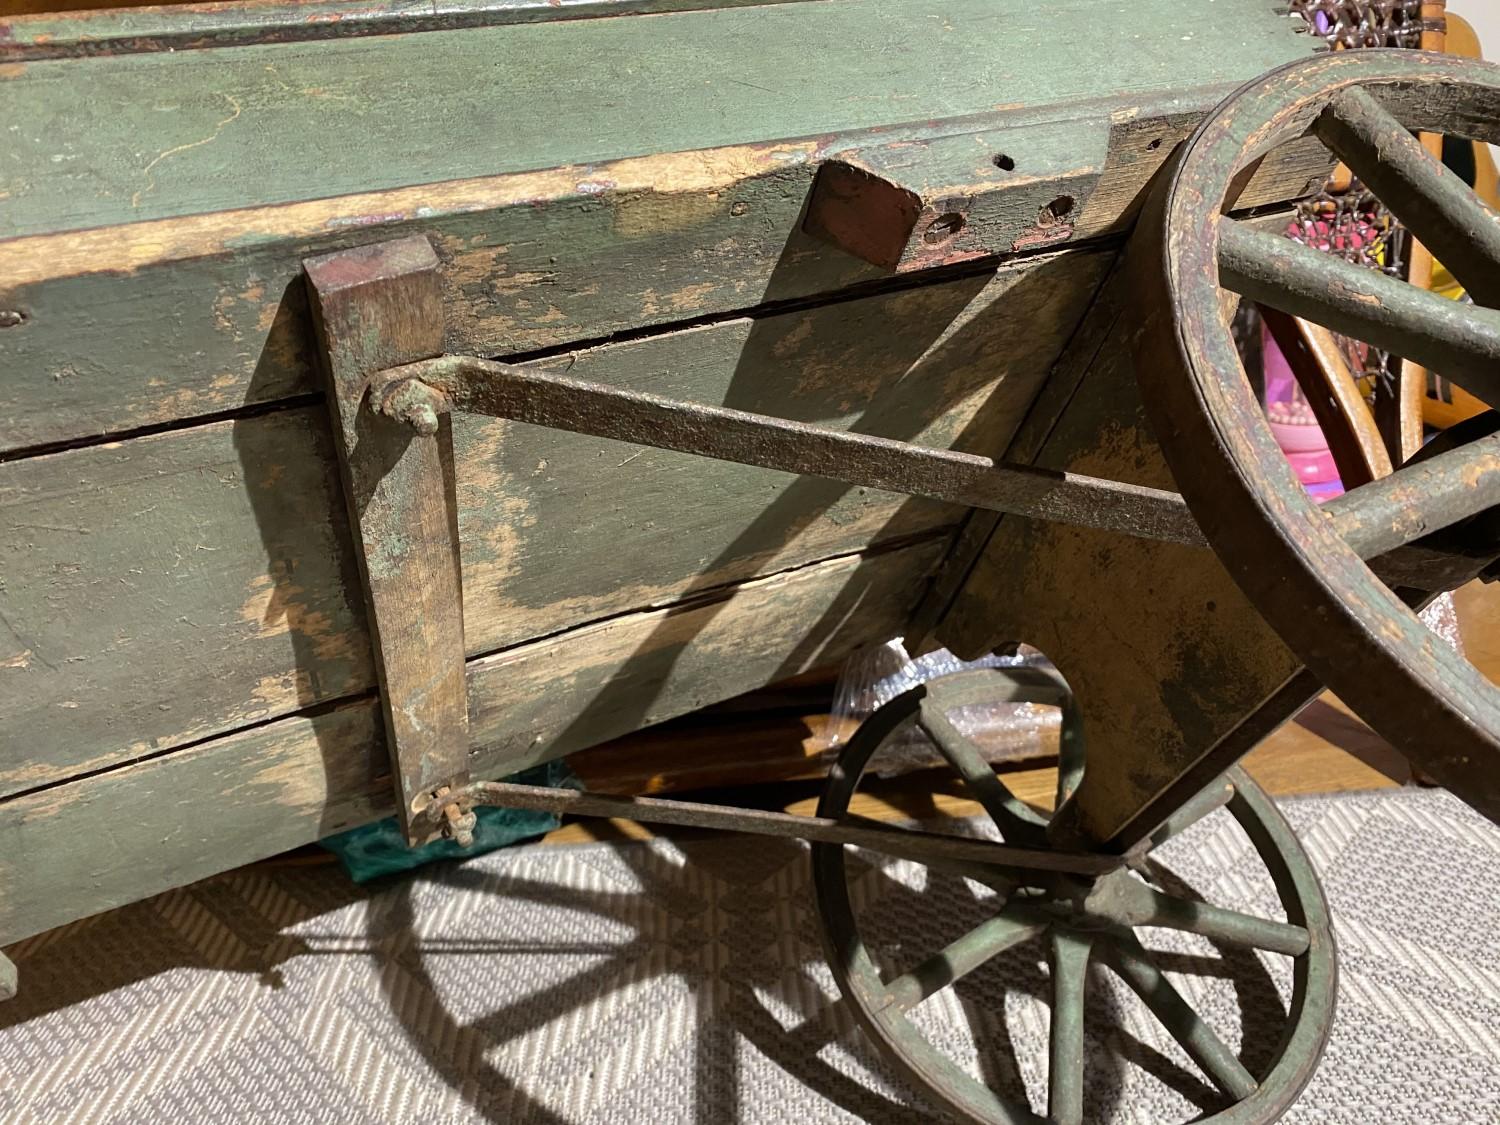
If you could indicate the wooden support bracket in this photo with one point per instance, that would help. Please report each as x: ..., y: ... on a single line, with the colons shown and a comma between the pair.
x: 377, y: 307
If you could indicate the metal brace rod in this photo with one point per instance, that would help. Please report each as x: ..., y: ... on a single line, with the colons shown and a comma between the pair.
x: 478, y: 386
x: 905, y: 843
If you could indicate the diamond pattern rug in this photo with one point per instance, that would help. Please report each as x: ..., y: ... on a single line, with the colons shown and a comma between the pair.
x: 682, y: 981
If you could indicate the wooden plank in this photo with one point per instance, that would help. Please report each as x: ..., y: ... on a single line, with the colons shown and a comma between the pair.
x: 377, y: 307
x: 219, y: 553
x: 1162, y: 651
x: 317, y: 120
x: 116, y: 28
x: 117, y: 836
x: 167, y: 318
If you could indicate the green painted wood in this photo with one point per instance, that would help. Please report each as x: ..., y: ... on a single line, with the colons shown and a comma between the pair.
x: 119, y: 836
x: 218, y: 555
x: 164, y: 321
x: 1156, y: 640
x: 257, y: 125
x: 118, y: 31
x: 183, y: 324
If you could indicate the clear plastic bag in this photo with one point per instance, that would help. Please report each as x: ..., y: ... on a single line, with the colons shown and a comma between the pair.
x: 1003, y: 731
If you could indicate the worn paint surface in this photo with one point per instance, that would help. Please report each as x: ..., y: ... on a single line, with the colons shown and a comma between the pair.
x: 331, y: 118
x: 1357, y: 635
x: 219, y: 23
x: 221, y: 550
x: 1163, y: 652
x: 374, y: 307
x: 204, y: 312
x: 241, y: 798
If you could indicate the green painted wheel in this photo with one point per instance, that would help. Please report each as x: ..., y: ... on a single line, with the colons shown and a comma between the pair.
x: 1082, y: 921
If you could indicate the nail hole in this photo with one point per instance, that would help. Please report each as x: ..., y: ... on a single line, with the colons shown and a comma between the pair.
x: 739, y: 208
x: 10, y: 318
x: 1056, y: 211
x: 1154, y: 145
x: 942, y: 228
x: 1003, y: 162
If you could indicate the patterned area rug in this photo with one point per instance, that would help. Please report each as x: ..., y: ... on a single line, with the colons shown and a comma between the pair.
x: 682, y: 981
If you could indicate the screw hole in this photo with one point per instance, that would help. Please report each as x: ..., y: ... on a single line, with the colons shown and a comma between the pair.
x: 1003, y: 162
x: 942, y: 228
x: 1057, y: 211
x: 1154, y: 145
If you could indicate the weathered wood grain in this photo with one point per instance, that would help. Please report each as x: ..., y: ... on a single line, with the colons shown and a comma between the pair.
x: 377, y: 307
x: 118, y: 836
x: 1164, y: 654
x: 192, y: 303
x: 326, y: 119
x: 219, y: 553
x: 54, y: 34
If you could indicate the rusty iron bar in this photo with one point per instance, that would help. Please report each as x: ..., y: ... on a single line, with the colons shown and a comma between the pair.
x: 1420, y: 499
x: 904, y: 843
x: 484, y: 387
x: 1434, y: 204
x: 1461, y: 342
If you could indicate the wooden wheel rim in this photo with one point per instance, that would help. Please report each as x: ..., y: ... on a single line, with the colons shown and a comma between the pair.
x: 1315, y: 971
x: 1358, y: 636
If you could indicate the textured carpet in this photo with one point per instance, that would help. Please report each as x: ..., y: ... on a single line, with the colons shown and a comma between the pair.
x: 682, y: 981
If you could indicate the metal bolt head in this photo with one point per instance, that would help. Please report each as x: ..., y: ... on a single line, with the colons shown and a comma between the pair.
x: 413, y: 402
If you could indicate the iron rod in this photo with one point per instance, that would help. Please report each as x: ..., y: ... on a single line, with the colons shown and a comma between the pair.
x: 483, y: 387
x: 900, y: 842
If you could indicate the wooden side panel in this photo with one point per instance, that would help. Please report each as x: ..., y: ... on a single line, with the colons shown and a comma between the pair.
x: 261, y: 125
x: 184, y: 310
x: 115, y: 837
x: 218, y: 556
x: 1162, y: 650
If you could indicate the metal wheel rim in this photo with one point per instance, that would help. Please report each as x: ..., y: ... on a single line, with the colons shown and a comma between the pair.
x: 1355, y: 633
x: 1311, y: 1009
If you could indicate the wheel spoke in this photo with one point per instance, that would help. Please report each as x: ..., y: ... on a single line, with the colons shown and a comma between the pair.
x: 1461, y: 342
x: 1215, y: 797
x: 1435, y: 205
x: 1012, y: 816
x: 1151, y: 907
x: 1420, y: 499
x: 1070, y: 963
x: 1127, y: 957
x: 958, y: 959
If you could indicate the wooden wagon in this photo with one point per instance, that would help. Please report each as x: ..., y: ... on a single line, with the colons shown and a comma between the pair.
x: 394, y: 400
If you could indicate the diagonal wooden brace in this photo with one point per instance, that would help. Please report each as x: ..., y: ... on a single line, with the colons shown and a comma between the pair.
x: 376, y: 307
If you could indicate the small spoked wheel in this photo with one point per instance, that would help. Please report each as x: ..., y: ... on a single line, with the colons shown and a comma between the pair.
x: 1078, y: 920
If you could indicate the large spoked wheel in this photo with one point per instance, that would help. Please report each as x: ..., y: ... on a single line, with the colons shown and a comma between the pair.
x: 1082, y: 920
x: 1340, y: 582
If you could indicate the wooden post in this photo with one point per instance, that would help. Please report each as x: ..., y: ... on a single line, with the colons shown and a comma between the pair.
x: 377, y: 307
